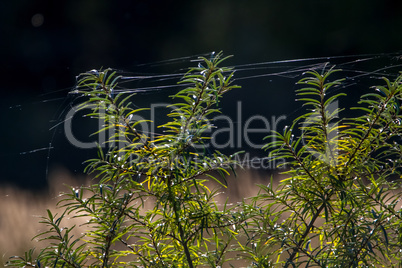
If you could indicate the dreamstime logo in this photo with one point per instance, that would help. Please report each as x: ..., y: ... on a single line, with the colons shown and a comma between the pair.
x: 236, y: 132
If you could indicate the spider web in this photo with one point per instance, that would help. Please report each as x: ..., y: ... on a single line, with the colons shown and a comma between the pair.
x: 268, y: 89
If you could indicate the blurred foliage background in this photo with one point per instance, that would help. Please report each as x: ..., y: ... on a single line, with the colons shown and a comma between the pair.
x: 45, y: 44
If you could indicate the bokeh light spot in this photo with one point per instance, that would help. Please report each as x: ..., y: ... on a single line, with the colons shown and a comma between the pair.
x: 37, y: 20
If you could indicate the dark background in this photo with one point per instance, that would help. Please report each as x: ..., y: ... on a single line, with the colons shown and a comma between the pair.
x: 45, y: 44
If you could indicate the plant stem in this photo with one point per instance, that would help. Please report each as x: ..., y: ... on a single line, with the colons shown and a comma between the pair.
x: 182, y: 240
x: 307, y: 231
x: 185, y: 247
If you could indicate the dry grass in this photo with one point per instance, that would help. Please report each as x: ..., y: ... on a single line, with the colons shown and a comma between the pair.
x: 21, y: 210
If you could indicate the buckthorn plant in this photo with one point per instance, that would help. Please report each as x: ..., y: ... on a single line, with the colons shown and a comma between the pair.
x: 150, y: 203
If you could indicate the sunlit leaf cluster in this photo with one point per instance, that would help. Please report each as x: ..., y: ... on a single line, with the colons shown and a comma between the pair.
x: 149, y: 204
x: 184, y: 227
x: 340, y: 205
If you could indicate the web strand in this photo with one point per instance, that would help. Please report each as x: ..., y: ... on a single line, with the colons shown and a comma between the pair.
x: 153, y: 81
